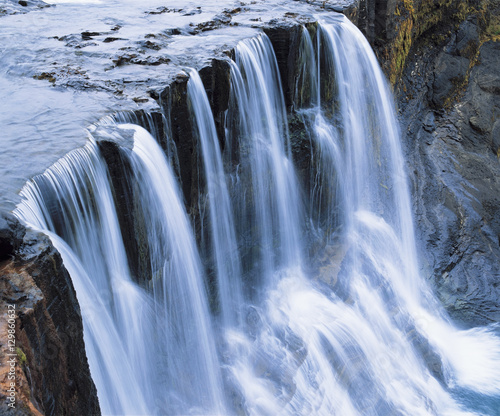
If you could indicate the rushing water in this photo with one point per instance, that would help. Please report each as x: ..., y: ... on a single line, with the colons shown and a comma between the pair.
x: 224, y: 245
x: 360, y: 334
x: 261, y: 131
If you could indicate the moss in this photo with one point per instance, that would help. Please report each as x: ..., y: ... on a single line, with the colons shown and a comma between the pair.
x: 402, y: 45
x: 426, y: 19
x: 21, y: 357
x: 492, y: 23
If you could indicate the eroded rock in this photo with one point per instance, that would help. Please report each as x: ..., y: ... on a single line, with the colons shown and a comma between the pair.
x: 52, y: 376
x: 455, y: 171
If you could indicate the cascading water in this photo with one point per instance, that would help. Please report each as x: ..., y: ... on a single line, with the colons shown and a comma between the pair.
x: 261, y: 132
x: 160, y: 340
x: 72, y: 202
x: 364, y: 336
x: 356, y: 131
x: 224, y: 244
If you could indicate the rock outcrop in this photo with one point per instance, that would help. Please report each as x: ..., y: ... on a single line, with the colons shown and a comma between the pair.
x: 396, y: 27
x: 450, y: 107
x: 45, y: 358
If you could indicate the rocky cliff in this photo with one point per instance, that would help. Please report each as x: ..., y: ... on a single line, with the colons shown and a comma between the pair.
x: 41, y: 343
x: 449, y: 102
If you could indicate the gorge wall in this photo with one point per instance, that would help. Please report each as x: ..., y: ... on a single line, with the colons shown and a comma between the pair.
x: 442, y: 59
x: 448, y: 98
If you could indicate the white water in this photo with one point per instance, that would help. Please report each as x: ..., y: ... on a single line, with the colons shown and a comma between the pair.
x: 73, y: 199
x: 189, y: 364
x: 373, y: 341
x: 222, y: 229
x: 264, y: 150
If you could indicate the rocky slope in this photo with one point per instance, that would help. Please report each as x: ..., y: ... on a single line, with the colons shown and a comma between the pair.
x: 449, y: 99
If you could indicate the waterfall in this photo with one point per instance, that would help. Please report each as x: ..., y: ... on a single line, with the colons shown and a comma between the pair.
x: 72, y: 202
x: 224, y: 244
x: 349, y: 328
x: 191, y: 370
x: 353, y: 125
x: 160, y: 340
x: 261, y: 131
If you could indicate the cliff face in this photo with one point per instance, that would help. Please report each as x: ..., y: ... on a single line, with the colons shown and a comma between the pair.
x: 396, y: 27
x: 448, y: 96
x: 45, y: 356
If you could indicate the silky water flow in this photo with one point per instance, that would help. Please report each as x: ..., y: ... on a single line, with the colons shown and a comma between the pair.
x: 360, y: 335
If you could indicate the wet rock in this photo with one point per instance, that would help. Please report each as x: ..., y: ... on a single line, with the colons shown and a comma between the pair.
x: 488, y: 77
x: 285, y: 38
x: 495, y: 138
x: 192, y: 12
x: 467, y: 41
x: 111, y: 39
x: 456, y: 175
x: 175, y: 106
x: 150, y: 45
x: 450, y: 72
x: 89, y: 35
x: 218, y: 21
x: 115, y: 151
x: 161, y: 10
x: 217, y: 83
x: 52, y: 374
x: 11, y: 235
x: 22, y: 6
x: 136, y: 59
x: 301, y: 148
x: 49, y: 76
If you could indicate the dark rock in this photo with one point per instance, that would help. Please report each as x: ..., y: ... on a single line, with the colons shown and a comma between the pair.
x: 285, y: 39
x: 394, y: 27
x: 11, y: 235
x: 192, y: 12
x: 456, y: 177
x: 450, y: 73
x: 23, y: 3
x: 174, y: 31
x: 488, y: 76
x: 217, y: 83
x: 135, y: 59
x: 150, y: 45
x: 161, y: 10
x: 111, y: 39
x: 301, y: 148
x: 495, y: 138
x: 175, y: 106
x: 89, y: 35
x: 467, y: 40
x: 52, y: 374
x: 120, y: 173
x: 115, y: 152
